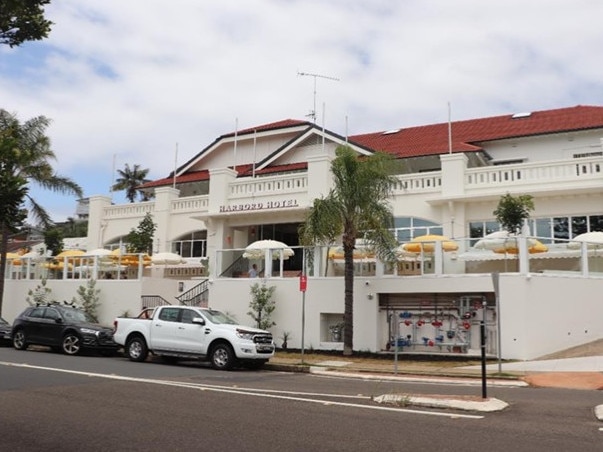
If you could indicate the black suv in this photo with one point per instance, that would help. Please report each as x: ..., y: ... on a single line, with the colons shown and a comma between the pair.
x: 62, y: 328
x: 4, y: 332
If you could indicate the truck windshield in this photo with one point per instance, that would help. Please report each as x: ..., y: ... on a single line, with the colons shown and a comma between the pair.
x: 218, y: 317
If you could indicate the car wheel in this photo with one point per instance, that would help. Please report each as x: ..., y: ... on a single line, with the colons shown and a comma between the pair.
x: 19, y: 340
x: 137, y: 349
x: 71, y: 344
x: 222, y: 357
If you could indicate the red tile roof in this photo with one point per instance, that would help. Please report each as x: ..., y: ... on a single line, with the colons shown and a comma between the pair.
x: 468, y: 135
x: 242, y: 170
x: 285, y: 123
x: 193, y: 176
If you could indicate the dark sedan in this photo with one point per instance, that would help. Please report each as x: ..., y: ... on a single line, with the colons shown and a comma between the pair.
x: 63, y: 328
x: 4, y: 332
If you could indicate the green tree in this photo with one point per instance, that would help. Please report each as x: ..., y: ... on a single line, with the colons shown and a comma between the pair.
x: 262, y: 305
x: 88, y: 299
x: 130, y: 179
x: 73, y: 227
x: 40, y: 294
x: 53, y: 239
x: 23, y: 20
x: 512, y: 211
x: 25, y: 157
x: 357, y: 205
x: 140, y: 240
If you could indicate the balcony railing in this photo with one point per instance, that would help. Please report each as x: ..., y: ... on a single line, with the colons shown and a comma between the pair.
x: 129, y: 210
x: 540, y: 172
x: 190, y: 204
x: 270, y: 185
x: 290, y: 189
x: 433, y: 259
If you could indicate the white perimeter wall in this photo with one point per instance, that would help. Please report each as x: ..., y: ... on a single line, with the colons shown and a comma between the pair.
x: 540, y: 313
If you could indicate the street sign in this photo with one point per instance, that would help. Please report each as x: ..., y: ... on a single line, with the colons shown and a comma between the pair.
x: 303, y: 283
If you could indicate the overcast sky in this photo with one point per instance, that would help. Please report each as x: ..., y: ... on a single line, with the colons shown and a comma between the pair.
x: 129, y: 80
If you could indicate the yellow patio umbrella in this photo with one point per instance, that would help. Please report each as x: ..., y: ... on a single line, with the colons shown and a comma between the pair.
x: 14, y: 258
x: 534, y: 247
x: 73, y: 256
x: 427, y: 244
x: 358, y: 254
x: 130, y: 259
x: 59, y: 265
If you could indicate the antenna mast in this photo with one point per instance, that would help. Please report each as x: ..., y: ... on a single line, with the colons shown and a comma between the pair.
x: 307, y: 74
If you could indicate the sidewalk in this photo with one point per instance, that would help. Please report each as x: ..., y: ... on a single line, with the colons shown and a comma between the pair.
x: 573, y: 373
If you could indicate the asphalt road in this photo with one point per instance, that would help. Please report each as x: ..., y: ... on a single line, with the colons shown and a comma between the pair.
x: 54, y: 402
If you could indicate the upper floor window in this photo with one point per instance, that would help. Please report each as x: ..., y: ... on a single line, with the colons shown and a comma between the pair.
x: 407, y: 228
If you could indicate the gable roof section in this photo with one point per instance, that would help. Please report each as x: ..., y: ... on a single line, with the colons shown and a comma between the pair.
x: 467, y: 135
x: 297, y: 140
x: 192, y: 176
x: 283, y: 125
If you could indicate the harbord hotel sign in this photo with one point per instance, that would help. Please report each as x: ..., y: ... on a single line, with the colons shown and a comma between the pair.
x: 282, y: 204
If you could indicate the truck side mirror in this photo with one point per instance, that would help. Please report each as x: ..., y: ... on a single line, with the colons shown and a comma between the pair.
x: 198, y: 321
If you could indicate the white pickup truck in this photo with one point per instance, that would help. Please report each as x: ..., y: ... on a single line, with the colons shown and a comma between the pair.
x: 184, y: 332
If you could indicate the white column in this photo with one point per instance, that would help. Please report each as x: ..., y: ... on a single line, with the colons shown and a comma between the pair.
x: 161, y: 217
x: 96, y: 223
x: 453, y: 174
x: 320, y: 178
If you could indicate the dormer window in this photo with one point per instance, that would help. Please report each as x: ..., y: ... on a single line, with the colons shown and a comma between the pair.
x: 525, y: 114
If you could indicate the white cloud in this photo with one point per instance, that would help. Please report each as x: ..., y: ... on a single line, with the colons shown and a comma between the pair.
x: 134, y: 78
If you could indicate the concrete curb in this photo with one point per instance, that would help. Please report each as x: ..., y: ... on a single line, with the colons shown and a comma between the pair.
x: 463, y: 381
x: 457, y: 403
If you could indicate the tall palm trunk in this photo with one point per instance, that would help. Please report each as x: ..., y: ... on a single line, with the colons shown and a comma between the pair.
x: 3, y: 249
x: 348, y: 313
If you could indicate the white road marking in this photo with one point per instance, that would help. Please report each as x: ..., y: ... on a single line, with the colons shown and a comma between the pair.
x: 248, y: 392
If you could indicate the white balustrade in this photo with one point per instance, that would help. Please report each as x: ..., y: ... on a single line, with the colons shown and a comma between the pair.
x: 190, y: 204
x: 287, y: 183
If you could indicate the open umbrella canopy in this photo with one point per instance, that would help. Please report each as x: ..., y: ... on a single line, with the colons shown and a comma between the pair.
x: 131, y: 259
x: 59, y: 265
x: 99, y: 252
x: 534, y: 247
x: 166, y: 259
x: 504, y: 243
x: 359, y: 253
x: 257, y: 250
x: 71, y: 255
x: 593, y: 240
x: 14, y: 258
x: 426, y: 243
x: 33, y: 255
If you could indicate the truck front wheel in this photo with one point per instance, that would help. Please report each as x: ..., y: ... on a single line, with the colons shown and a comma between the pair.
x: 137, y: 349
x: 222, y: 357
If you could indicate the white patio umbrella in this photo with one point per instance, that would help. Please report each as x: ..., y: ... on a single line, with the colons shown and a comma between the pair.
x: 34, y: 256
x: 594, y: 240
x: 504, y: 243
x: 166, y: 259
x: 100, y: 252
x: 257, y: 250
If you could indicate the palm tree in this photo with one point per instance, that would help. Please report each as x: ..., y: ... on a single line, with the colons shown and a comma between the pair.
x: 356, y: 206
x: 25, y: 157
x: 130, y: 179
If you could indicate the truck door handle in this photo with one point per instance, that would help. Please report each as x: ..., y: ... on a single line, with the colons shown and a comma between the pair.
x: 207, y: 330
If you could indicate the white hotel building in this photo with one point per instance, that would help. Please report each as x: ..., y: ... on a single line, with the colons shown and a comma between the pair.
x: 258, y: 184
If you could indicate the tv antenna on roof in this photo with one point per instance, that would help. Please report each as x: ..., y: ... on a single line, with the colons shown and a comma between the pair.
x: 307, y: 74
